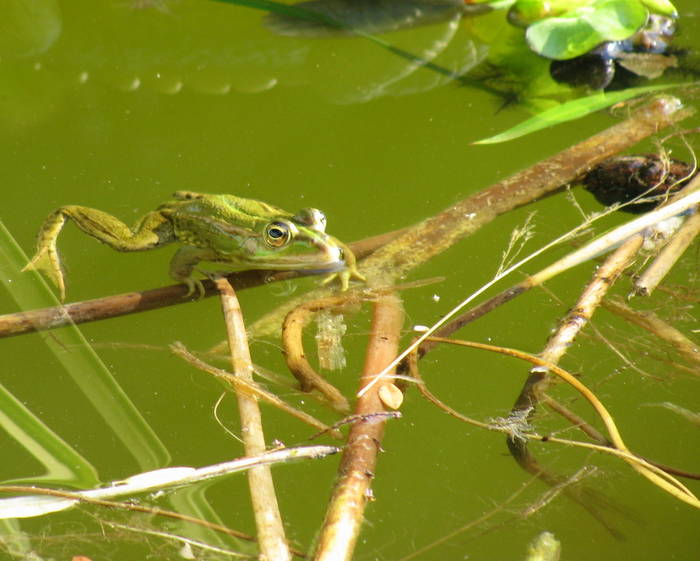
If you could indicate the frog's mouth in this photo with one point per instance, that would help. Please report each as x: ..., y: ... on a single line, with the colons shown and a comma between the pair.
x: 326, y: 259
x: 319, y: 256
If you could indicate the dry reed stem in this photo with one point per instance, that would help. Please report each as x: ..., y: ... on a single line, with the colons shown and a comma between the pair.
x: 672, y: 251
x: 685, y: 199
x: 252, y: 389
x: 353, y: 486
x: 576, y: 319
x: 658, y: 328
x: 436, y: 234
x: 268, y: 521
x: 124, y: 505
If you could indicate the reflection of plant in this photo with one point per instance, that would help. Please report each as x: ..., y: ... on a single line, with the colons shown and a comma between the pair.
x: 565, y: 29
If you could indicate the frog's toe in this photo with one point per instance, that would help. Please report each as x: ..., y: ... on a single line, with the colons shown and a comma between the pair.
x: 194, y: 285
x: 344, y: 278
x: 355, y: 274
x: 330, y: 278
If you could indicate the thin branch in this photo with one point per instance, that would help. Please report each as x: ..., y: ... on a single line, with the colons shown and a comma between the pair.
x: 648, y: 320
x: 650, y: 279
x: 154, y: 511
x: 576, y: 319
x: 108, y: 307
x: 345, y: 512
x: 251, y: 388
x: 656, y: 475
x: 271, y: 538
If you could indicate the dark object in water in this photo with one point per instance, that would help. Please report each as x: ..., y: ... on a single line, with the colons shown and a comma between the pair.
x: 366, y: 16
x: 623, y: 178
x: 614, y: 64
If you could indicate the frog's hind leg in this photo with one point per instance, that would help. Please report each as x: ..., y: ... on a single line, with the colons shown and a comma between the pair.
x: 152, y: 231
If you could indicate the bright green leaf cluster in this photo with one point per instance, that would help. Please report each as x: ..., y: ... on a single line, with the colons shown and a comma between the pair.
x: 564, y: 29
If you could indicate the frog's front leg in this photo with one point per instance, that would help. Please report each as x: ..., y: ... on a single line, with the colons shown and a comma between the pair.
x: 152, y: 231
x: 183, y: 263
x: 349, y: 272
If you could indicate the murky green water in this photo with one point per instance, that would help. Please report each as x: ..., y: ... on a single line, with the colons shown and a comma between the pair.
x: 116, y: 105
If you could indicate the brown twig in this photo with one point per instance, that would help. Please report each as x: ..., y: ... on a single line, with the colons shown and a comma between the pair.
x: 576, y: 319
x: 292, y: 332
x: 572, y: 259
x: 252, y: 389
x: 270, y: 530
x: 353, y: 487
x: 434, y: 235
x: 538, y: 379
x: 142, y: 301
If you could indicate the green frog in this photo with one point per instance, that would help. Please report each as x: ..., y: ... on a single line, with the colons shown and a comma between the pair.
x: 242, y: 233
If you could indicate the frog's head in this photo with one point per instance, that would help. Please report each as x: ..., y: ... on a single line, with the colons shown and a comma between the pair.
x: 296, y: 242
x: 252, y: 234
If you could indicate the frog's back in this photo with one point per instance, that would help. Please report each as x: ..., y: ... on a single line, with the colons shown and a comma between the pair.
x: 226, y: 207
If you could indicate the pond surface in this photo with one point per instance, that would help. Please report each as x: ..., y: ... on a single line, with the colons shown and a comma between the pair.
x: 116, y: 105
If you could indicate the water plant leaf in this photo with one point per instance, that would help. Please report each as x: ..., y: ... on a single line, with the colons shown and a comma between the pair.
x: 82, y: 363
x: 526, y: 12
x: 581, y: 29
x: 663, y: 7
x: 616, y: 20
x: 562, y: 38
x: 570, y: 111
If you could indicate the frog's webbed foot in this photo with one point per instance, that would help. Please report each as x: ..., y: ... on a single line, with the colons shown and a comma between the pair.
x: 344, y: 277
x: 349, y: 272
x: 194, y: 285
x: 182, y: 267
x: 46, y: 258
x: 47, y: 261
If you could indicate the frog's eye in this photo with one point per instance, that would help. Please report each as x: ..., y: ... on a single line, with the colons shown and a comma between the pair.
x: 277, y: 234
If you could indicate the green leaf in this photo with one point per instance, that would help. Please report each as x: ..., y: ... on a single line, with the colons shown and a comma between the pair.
x: 616, y: 20
x: 570, y: 111
x: 581, y: 29
x: 88, y: 371
x: 663, y: 7
x: 526, y: 12
x: 562, y: 38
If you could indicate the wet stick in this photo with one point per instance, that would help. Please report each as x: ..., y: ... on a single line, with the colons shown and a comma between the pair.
x: 270, y: 530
